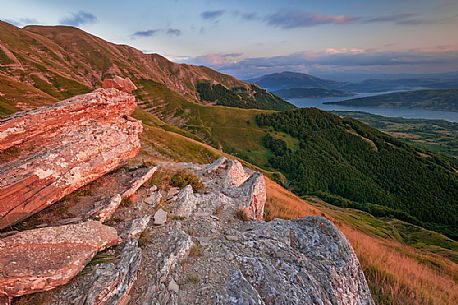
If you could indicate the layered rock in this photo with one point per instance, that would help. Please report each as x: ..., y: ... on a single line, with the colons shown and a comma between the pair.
x: 41, y: 259
x: 123, y: 84
x: 105, y: 211
x: 49, y: 152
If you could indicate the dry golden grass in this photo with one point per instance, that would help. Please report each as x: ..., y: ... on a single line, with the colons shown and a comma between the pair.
x: 397, y: 274
x: 284, y: 204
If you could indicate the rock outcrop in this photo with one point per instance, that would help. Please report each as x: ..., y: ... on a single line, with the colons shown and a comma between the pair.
x: 41, y: 259
x: 204, y: 254
x: 123, y: 84
x: 169, y: 246
x: 49, y: 152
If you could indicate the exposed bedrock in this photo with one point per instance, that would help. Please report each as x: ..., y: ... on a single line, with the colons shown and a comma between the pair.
x: 49, y: 152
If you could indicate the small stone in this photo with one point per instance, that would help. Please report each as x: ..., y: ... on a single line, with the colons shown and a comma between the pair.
x: 172, y: 192
x: 232, y: 237
x: 154, y: 199
x: 173, y: 286
x: 153, y: 188
x: 160, y: 217
x: 67, y: 221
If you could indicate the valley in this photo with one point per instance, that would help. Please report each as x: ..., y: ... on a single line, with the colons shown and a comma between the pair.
x: 369, y: 183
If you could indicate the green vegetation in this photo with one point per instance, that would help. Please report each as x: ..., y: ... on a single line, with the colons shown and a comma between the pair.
x: 437, y: 99
x: 4, y: 60
x: 434, y: 135
x: 183, y: 178
x: 241, y: 97
x: 344, y: 157
x: 390, y: 228
x: 59, y: 87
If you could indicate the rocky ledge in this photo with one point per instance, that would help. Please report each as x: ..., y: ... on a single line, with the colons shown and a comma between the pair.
x: 160, y: 244
x: 49, y: 152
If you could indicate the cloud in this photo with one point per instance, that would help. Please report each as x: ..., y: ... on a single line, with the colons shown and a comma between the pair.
x: 289, y: 19
x: 78, y: 19
x: 145, y: 33
x: 22, y: 21
x: 173, y: 32
x: 216, y: 59
x: 406, y: 19
x: 212, y: 15
x: 335, y: 60
x: 152, y: 32
x: 391, y: 18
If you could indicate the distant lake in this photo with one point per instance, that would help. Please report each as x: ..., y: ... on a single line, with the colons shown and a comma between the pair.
x: 409, y: 113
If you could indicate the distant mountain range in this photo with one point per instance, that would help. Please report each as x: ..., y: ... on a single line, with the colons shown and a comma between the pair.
x: 310, y: 93
x: 439, y: 99
x: 288, y: 80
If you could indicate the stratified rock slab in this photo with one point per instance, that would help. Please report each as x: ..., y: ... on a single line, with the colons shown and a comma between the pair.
x: 42, y: 259
x: 123, y: 84
x: 47, y: 153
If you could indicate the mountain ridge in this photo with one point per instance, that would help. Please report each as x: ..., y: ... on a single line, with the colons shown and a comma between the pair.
x: 72, y: 62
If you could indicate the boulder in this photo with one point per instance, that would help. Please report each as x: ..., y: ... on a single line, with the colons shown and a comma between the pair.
x: 306, y: 261
x: 42, y: 259
x: 123, y: 84
x: 236, y: 174
x: 47, y: 153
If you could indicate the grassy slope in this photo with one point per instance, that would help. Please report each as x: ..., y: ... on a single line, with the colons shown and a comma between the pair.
x: 441, y: 99
x: 434, y: 135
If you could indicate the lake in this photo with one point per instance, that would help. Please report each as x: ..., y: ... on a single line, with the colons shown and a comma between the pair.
x: 409, y: 113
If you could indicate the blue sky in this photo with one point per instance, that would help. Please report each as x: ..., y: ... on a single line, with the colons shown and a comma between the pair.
x: 248, y: 38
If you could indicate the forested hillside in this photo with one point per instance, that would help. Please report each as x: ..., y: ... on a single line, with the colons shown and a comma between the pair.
x: 241, y: 97
x: 345, y: 157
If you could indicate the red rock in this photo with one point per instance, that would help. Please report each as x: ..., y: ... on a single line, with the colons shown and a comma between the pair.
x: 123, y: 84
x: 42, y: 259
x: 47, y: 153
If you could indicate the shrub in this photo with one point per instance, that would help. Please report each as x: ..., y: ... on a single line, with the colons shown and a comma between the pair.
x: 196, y: 250
x: 183, y: 178
x: 144, y: 238
x: 242, y: 214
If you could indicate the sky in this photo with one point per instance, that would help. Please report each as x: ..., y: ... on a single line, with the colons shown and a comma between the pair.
x: 254, y: 37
